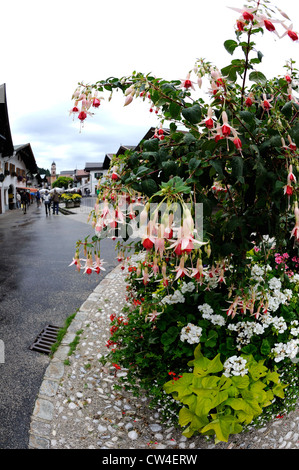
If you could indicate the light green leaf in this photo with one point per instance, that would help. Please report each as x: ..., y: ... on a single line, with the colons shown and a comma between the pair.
x: 223, y: 426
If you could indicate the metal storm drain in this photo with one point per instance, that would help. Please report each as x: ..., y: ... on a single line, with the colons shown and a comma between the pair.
x: 45, y: 339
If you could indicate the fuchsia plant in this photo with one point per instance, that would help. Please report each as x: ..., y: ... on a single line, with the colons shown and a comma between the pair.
x: 235, y: 156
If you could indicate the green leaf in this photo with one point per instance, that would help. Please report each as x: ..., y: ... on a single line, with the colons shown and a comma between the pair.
x: 175, y: 110
x: 223, y: 426
x: 265, y: 347
x: 217, y: 165
x: 169, y: 168
x: 230, y: 45
x: 289, y: 108
x: 193, y: 163
x: 237, y: 168
x: 258, y: 77
x: 142, y: 170
x: 196, y: 422
x: 192, y: 114
x: 149, y: 187
x: 204, y: 366
x: 181, y: 387
x: 151, y: 145
x: 249, y: 408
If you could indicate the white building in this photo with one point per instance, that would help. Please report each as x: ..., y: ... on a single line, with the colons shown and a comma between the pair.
x: 18, y: 169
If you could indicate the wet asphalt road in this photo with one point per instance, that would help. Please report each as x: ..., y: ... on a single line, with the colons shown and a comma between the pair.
x: 37, y: 288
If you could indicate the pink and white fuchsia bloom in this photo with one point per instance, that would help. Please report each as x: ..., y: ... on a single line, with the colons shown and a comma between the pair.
x: 295, y: 231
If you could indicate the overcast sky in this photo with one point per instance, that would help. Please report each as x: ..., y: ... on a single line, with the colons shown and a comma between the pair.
x: 48, y: 47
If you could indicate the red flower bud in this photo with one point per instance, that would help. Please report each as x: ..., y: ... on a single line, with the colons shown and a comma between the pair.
x: 147, y: 244
x: 96, y: 103
x: 82, y: 116
x: 268, y: 25
x: 247, y: 16
x: 293, y: 35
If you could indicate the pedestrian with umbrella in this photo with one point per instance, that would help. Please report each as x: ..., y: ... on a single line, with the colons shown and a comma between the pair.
x: 47, y: 202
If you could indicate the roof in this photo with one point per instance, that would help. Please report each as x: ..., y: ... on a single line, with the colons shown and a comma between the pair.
x: 6, y: 144
x: 93, y: 166
x: 81, y: 173
x: 26, y: 154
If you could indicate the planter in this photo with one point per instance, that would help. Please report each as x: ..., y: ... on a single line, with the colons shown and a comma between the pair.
x: 69, y: 204
x: 76, y: 203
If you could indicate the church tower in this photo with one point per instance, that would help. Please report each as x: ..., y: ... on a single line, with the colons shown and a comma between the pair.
x: 53, y: 173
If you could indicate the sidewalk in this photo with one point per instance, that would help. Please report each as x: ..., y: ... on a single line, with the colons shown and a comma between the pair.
x: 78, y: 408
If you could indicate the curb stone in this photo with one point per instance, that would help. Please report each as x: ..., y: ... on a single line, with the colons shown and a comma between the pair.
x: 40, y: 426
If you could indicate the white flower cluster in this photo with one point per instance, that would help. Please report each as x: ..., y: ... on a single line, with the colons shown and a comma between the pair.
x: 277, y: 297
x: 295, y: 331
x: 295, y: 278
x: 191, y: 333
x: 245, y: 331
x: 277, y: 322
x: 285, y: 350
x: 187, y: 287
x: 235, y: 365
x: 175, y: 298
x: 258, y: 273
x: 208, y: 314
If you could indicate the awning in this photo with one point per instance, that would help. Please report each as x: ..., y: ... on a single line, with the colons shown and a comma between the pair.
x: 33, y: 190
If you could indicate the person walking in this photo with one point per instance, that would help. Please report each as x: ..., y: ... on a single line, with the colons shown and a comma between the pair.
x: 18, y: 200
x: 24, y: 201
x: 55, y: 200
x: 38, y: 201
x: 47, y: 202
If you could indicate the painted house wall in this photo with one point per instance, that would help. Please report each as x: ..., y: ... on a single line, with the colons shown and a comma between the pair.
x: 11, y: 183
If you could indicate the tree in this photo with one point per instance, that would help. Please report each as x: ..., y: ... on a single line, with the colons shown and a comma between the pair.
x: 63, y: 182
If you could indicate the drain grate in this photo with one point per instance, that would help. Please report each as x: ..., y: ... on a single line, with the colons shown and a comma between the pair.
x: 46, y: 339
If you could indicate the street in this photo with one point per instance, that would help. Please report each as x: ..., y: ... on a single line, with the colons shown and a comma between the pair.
x: 37, y: 288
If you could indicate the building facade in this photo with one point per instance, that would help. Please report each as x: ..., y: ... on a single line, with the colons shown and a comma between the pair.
x: 18, y: 169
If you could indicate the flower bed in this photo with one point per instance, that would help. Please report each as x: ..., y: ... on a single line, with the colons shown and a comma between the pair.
x: 210, y: 329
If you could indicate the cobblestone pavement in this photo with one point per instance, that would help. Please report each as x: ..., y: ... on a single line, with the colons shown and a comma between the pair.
x: 78, y: 408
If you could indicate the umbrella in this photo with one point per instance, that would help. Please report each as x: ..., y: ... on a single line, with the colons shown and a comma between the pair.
x: 58, y: 190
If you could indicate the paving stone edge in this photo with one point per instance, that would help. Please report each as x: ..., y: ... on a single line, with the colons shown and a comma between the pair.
x: 40, y: 426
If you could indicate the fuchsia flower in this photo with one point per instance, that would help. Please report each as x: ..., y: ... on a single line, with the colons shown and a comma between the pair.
x: 82, y: 116
x: 269, y: 26
x: 249, y: 100
x: 148, y: 243
x: 265, y: 103
x: 292, y: 146
x: 288, y: 189
x: 291, y: 176
x: 187, y: 83
x: 226, y: 128
x: 295, y: 231
x: 114, y: 175
x: 237, y: 142
x: 98, y: 264
x: 152, y: 316
x: 181, y: 270
x: 96, y: 102
x: 208, y: 122
x: 289, y: 31
x: 197, y: 272
x: 246, y: 13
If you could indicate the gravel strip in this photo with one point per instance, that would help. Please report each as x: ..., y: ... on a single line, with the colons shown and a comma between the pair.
x: 78, y: 408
